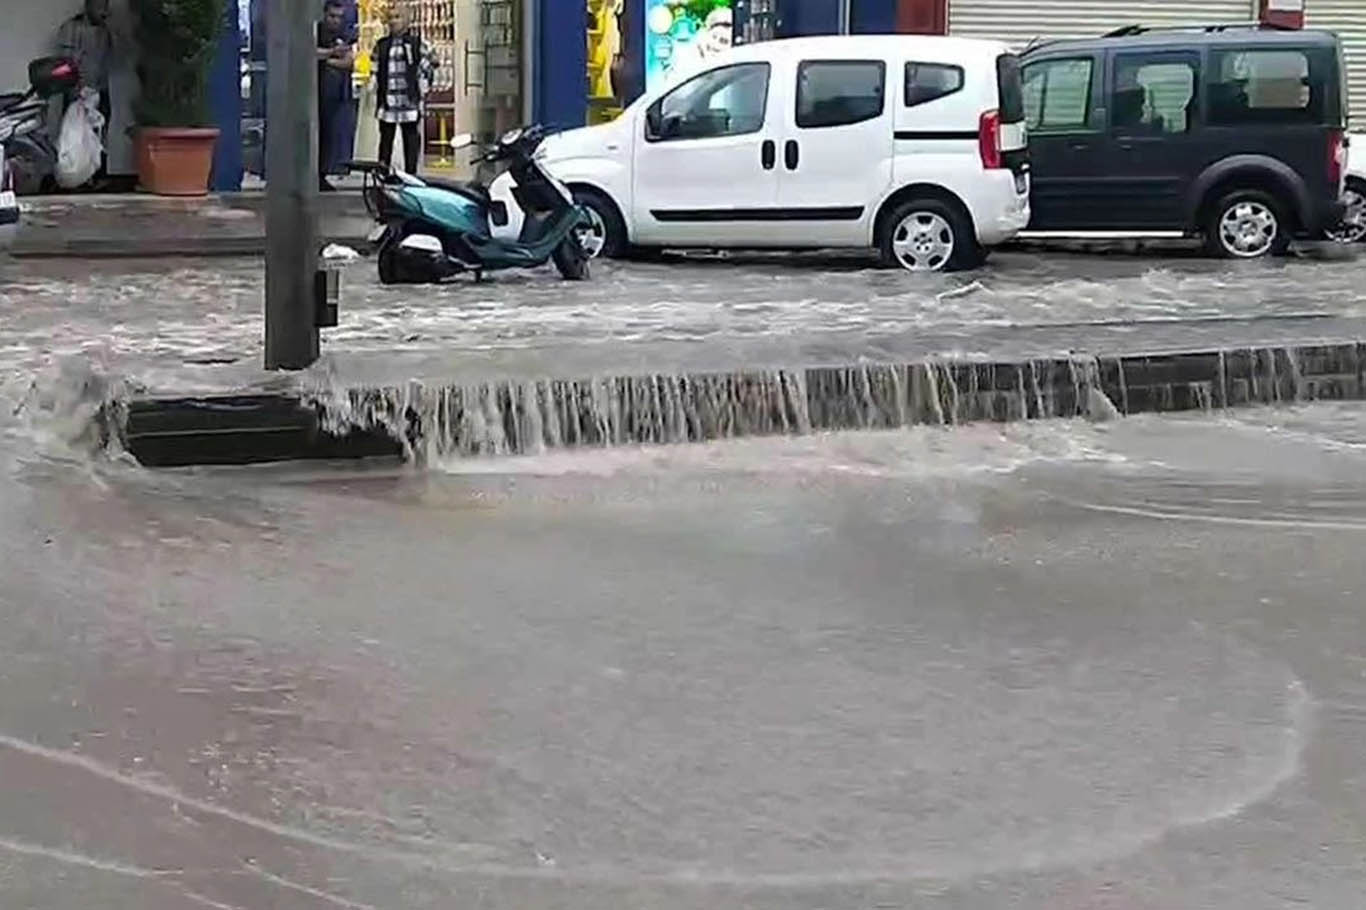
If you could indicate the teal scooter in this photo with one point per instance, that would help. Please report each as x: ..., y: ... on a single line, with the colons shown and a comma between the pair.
x: 431, y: 230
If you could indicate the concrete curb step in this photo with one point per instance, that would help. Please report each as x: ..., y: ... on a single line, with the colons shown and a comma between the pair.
x: 139, y: 226
x: 508, y: 417
x: 159, y: 248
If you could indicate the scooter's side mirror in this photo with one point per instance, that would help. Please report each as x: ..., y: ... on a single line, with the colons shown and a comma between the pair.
x: 461, y: 141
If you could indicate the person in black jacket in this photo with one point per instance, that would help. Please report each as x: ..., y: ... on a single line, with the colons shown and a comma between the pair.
x: 403, y: 68
x: 336, y: 57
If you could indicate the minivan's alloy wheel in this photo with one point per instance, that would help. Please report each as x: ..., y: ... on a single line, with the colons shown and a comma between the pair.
x: 1247, y: 224
x: 1248, y: 229
x: 923, y: 242
x: 1353, y: 227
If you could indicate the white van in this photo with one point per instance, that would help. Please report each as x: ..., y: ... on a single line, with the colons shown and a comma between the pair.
x: 915, y: 145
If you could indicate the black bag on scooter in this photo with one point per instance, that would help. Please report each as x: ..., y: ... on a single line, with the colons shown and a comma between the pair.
x: 51, y: 76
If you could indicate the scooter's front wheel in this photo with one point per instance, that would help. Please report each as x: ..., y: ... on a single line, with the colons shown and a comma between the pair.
x: 571, y: 259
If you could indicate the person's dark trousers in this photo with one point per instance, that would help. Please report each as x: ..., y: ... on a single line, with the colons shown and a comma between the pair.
x: 328, y: 112
x: 410, y: 144
x: 106, y: 111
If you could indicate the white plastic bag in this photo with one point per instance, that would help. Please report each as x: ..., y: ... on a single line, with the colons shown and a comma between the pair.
x: 79, y: 148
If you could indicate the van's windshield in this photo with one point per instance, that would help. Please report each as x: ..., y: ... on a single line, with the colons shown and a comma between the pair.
x: 1010, y: 87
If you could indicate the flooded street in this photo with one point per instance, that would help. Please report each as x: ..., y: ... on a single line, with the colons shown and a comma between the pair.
x: 1057, y: 665
x: 197, y: 324
x: 1042, y: 665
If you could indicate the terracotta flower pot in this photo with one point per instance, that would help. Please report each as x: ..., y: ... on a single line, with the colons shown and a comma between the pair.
x: 175, y: 161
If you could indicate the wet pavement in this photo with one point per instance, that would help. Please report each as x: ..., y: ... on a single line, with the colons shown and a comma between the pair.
x: 1047, y: 665
x: 100, y: 225
x: 177, y: 325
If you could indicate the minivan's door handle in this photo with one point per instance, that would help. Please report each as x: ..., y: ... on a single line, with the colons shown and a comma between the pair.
x: 791, y: 154
x: 768, y: 154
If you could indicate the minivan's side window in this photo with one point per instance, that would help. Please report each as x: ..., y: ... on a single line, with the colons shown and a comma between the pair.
x: 1057, y: 94
x: 839, y: 92
x: 729, y: 101
x: 931, y: 81
x: 1154, y: 94
x: 1264, y: 86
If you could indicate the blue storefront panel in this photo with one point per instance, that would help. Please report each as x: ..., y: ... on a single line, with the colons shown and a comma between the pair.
x: 560, y: 90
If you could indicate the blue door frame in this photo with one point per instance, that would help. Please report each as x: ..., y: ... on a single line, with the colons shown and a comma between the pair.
x: 560, y: 96
x: 225, y: 105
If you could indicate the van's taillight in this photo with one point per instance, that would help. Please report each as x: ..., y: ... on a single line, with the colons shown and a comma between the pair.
x: 989, y: 140
x: 1337, y: 156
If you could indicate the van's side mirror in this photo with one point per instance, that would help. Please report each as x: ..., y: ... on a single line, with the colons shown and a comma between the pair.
x: 653, y: 124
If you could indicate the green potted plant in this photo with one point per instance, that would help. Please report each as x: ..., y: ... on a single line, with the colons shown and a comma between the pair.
x: 174, y: 141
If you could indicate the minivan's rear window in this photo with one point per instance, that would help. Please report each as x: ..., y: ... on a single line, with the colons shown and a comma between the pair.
x: 1010, y: 87
x: 1265, y: 86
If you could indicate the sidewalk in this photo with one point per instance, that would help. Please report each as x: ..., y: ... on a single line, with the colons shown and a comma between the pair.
x: 229, y: 224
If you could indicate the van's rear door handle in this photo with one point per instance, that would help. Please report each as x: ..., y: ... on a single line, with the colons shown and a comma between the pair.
x: 768, y: 154
x: 791, y: 155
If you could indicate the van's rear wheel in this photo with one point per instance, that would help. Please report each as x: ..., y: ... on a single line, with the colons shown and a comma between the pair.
x: 1246, y: 224
x: 605, y: 233
x: 928, y: 235
x: 1353, y: 226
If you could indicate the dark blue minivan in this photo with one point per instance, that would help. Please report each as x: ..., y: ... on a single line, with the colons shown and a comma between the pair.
x: 1233, y: 133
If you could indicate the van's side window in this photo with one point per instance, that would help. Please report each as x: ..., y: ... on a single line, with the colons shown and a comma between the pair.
x: 1154, y: 94
x: 1265, y: 86
x: 729, y: 101
x: 931, y: 81
x: 839, y: 92
x: 1057, y: 94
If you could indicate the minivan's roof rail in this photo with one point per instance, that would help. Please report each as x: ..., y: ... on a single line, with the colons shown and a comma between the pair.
x: 1134, y: 29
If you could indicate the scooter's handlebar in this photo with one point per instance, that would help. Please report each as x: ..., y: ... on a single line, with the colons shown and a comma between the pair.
x: 520, y: 141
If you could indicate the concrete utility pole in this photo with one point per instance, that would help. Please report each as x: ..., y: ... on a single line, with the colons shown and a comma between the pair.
x: 291, y: 183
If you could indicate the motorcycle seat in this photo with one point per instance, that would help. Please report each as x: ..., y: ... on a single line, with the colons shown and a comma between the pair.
x: 471, y: 191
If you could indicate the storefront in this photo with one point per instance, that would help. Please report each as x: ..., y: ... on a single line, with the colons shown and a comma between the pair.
x: 30, y: 31
x: 1021, y: 21
x: 630, y: 46
x: 477, y: 86
x: 1348, y: 19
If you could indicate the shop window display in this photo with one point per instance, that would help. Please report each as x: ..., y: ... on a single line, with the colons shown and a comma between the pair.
x: 680, y: 35
x: 604, y: 59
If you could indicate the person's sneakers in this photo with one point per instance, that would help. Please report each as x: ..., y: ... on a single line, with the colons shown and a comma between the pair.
x: 324, y: 186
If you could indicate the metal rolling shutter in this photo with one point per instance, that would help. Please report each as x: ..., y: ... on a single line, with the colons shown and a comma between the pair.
x: 1348, y: 19
x: 1020, y: 21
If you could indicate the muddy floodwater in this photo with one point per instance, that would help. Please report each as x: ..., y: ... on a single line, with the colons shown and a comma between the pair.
x: 1043, y: 665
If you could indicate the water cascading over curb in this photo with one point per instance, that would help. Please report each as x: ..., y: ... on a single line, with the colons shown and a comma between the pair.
x: 510, y: 417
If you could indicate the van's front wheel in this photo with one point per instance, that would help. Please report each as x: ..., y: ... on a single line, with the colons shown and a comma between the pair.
x: 605, y: 232
x: 927, y: 235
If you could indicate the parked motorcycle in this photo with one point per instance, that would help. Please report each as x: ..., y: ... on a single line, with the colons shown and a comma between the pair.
x: 29, y: 152
x: 430, y: 230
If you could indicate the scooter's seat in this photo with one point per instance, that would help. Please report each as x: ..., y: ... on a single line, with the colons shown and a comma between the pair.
x: 471, y: 191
